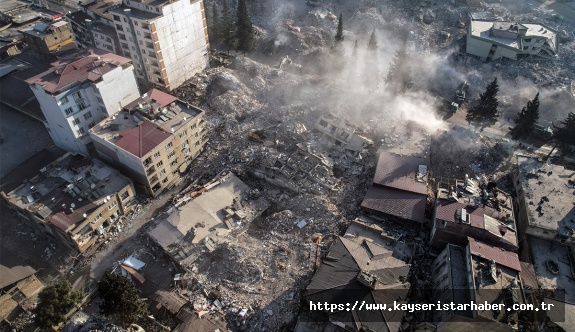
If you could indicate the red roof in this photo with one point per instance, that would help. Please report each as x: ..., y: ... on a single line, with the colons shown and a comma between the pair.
x: 399, y: 172
x: 161, y: 97
x: 446, y: 210
x: 499, y: 256
x: 90, y: 67
x: 399, y: 203
x: 142, y: 139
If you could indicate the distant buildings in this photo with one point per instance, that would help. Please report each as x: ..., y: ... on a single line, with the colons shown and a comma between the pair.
x: 81, y: 90
x: 167, y: 40
x: 73, y: 199
x: 154, y: 139
x: 399, y: 190
x: 465, y: 209
x: 49, y: 38
x: 490, y: 39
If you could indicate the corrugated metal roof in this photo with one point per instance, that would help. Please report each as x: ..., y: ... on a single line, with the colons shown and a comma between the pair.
x: 142, y: 139
x: 447, y: 210
x: 528, y: 276
x: 399, y: 172
x: 161, y: 97
x: 499, y: 256
x: 399, y: 203
x: 11, y: 269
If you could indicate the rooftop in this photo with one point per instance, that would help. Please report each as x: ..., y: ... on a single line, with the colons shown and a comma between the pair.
x: 101, y: 7
x: 401, y: 172
x: 483, y: 29
x: 221, y: 206
x: 42, y: 28
x: 403, y: 204
x: 11, y: 270
x: 549, y: 194
x: 87, y: 66
x: 499, y: 256
x: 146, y: 122
x: 68, y: 188
x: 137, y: 13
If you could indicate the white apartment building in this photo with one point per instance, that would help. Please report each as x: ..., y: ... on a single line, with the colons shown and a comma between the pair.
x: 167, y: 40
x: 490, y: 39
x: 80, y: 91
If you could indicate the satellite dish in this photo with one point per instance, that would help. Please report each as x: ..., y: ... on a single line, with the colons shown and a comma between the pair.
x: 85, y: 215
x: 72, y: 205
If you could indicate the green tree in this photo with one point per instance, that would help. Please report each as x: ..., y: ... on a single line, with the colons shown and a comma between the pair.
x: 339, y: 33
x: 526, y: 119
x: 227, y: 32
x: 399, y: 78
x: 214, y: 24
x: 484, y: 113
x: 121, y: 299
x: 54, y: 302
x: 244, y: 28
x: 565, y: 134
x: 371, y: 64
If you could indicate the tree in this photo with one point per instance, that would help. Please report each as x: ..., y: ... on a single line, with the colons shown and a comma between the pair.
x: 227, y: 31
x: 399, y: 78
x: 484, y: 113
x: 566, y: 133
x: 121, y: 299
x: 54, y: 302
x: 214, y: 24
x: 244, y: 28
x: 526, y: 119
x: 372, y: 44
x: 339, y: 33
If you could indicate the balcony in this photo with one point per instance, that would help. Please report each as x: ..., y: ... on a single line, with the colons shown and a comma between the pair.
x: 148, y: 36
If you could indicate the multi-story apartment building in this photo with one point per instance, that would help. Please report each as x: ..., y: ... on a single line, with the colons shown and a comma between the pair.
x: 74, y: 199
x: 153, y: 140
x: 80, y: 91
x: 93, y: 25
x: 167, y: 40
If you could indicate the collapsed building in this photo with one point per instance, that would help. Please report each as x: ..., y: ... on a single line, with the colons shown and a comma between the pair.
x: 399, y: 190
x: 154, y: 139
x: 360, y: 266
x: 490, y: 39
x: 478, y: 210
x: 74, y: 200
x: 479, y: 273
x: 205, y: 217
x: 49, y: 37
x: 339, y: 134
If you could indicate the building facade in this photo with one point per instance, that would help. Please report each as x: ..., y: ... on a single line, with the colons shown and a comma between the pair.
x: 80, y: 91
x: 490, y: 39
x: 154, y: 139
x: 75, y: 200
x: 166, y: 40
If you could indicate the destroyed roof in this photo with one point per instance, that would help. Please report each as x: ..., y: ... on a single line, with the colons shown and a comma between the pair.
x: 401, y: 172
x: 548, y: 190
x: 87, y: 66
x: 528, y: 275
x: 11, y: 270
x: 502, y: 257
x: 29, y: 169
x: 142, y: 139
x: 169, y: 300
x: 399, y: 203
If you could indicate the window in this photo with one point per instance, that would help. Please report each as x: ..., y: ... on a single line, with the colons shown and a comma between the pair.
x: 87, y: 115
x: 64, y: 100
x: 119, y: 27
x: 125, y: 19
x: 100, y: 100
x: 193, y: 126
x: 124, y: 195
x: 183, y: 134
x: 80, y: 131
x: 528, y: 40
x: 171, y: 154
x: 82, y: 105
x: 165, y: 180
x: 138, y: 32
x: 147, y: 161
x: 122, y: 36
x: 160, y: 163
x: 116, y: 18
x: 157, y: 154
x: 136, y: 22
x: 69, y: 111
x: 113, y: 205
x: 91, y: 124
x: 169, y: 145
x: 173, y: 163
x: 98, y: 217
x: 76, y: 121
x: 162, y: 172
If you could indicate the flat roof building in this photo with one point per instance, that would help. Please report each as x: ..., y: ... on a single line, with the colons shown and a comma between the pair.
x: 74, y: 200
x: 49, y: 38
x: 154, y: 139
x: 489, y: 39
